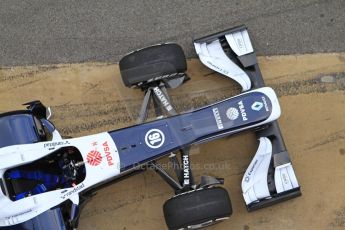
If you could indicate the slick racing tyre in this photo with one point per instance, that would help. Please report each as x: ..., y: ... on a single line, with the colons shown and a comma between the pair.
x: 151, y: 63
x: 197, y: 209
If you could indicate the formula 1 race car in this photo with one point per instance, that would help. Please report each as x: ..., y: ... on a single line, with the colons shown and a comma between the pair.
x: 42, y: 172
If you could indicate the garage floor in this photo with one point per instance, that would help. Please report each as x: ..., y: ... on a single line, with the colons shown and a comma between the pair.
x: 89, y: 98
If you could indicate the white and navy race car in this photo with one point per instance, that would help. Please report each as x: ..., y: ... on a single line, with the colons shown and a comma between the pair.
x: 40, y: 170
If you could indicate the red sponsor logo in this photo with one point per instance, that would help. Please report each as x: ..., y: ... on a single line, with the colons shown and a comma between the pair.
x: 94, y: 158
x: 108, y: 153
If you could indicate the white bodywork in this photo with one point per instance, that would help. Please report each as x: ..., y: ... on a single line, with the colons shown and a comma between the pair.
x: 212, y: 55
x: 275, y: 113
x: 15, y: 212
x: 240, y: 42
x: 254, y: 182
x: 285, y: 178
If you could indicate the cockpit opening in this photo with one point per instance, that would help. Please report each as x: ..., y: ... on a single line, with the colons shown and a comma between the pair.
x: 63, y: 168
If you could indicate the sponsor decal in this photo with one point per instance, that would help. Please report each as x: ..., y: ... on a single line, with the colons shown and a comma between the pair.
x: 242, y: 110
x: 218, y: 68
x: 257, y: 106
x: 22, y: 213
x: 154, y: 138
x: 52, y: 145
x: 247, y: 178
x: 240, y: 43
x: 218, y: 119
x: 185, y: 162
x: 173, y: 75
x: 265, y: 103
x: 75, y: 189
x: 232, y: 113
x: 108, y: 153
x: 94, y: 158
x: 162, y: 98
x: 286, y: 179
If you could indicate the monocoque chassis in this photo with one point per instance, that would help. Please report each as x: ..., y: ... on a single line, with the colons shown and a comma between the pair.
x: 269, y: 178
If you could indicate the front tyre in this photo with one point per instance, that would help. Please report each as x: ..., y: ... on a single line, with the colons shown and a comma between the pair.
x: 197, y: 209
x: 152, y: 62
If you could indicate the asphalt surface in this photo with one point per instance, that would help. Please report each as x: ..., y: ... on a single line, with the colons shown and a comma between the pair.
x: 51, y: 31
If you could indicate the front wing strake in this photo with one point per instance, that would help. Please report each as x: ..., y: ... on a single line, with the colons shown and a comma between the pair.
x: 270, y: 178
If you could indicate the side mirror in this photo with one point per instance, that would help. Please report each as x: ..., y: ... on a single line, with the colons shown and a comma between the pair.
x: 38, y: 109
x: 48, y: 113
x: 48, y: 125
